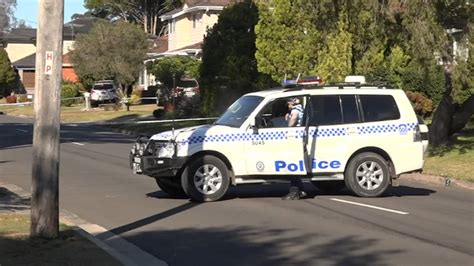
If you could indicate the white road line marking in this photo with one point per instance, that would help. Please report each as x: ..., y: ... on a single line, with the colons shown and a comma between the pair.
x: 77, y: 143
x: 22, y: 130
x: 369, y: 206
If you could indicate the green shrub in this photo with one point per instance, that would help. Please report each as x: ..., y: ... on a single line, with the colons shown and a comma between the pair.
x: 135, y: 97
x: 422, y: 105
x: 68, y: 90
x: 188, y: 107
x: 22, y: 98
x: 11, y: 99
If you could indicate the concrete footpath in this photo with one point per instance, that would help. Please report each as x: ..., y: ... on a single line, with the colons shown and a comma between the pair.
x: 13, y: 199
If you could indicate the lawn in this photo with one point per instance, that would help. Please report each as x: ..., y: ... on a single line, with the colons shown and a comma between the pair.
x: 455, y: 160
x: 17, y: 248
x: 78, y: 114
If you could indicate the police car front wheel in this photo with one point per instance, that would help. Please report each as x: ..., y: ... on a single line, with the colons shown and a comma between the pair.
x: 367, y: 175
x: 206, y: 179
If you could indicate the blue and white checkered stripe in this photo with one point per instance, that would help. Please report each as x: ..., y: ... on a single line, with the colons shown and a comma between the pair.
x: 320, y: 132
x: 328, y: 132
x: 388, y: 128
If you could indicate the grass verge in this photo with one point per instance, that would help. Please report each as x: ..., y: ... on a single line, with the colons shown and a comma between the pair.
x: 153, y: 128
x: 454, y: 160
x: 77, y: 114
x: 17, y: 248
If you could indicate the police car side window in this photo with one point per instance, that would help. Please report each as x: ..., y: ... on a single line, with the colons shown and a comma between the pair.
x: 350, y: 114
x: 326, y: 110
x: 379, y: 108
x: 273, y: 114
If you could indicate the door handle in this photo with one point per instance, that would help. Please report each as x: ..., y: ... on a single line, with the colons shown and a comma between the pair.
x: 352, y: 131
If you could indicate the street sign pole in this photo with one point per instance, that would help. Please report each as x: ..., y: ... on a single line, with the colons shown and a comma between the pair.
x: 45, y: 172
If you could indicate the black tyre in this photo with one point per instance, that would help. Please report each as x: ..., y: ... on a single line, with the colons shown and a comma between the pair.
x: 94, y: 104
x: 329, y: 186
x: 367, y: 175
x: 171, y: 187
x: 206, y: 179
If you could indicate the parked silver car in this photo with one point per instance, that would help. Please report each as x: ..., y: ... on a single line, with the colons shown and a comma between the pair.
x: 103, y: 91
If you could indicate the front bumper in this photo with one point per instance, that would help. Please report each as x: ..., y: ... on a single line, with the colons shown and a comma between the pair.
x: 148, y: 161
x: 155, y: 166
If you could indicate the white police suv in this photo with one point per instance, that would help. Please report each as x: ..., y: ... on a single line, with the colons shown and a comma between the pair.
x: 353, y: 135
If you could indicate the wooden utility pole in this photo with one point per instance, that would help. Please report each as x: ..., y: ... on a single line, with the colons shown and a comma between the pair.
x: 45, y: 174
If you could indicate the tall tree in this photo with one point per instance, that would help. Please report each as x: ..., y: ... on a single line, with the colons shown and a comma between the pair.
x: 7, y: 74
x: 110, y: 51
x: 335, y: 60
x: 144, y: 12
x: 457, y: 105
x: 229, y: 67
x: 170, y: 70
x: 6, y: 13
x: 287, y: 40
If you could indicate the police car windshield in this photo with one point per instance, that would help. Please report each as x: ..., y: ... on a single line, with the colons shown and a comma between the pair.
x: 239, y: 111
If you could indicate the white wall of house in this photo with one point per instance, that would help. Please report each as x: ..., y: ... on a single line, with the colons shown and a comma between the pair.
x: 68, y: 46
x: 17, y: 51
x: 189, y: 28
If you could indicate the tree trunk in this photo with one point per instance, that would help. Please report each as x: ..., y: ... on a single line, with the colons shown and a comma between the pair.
x: 145, y: 23
x: 440, y: 127
x: 462, y: 115
x: 155, y: 23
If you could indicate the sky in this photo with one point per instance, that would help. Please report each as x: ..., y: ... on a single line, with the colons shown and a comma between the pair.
x: 27, y: 10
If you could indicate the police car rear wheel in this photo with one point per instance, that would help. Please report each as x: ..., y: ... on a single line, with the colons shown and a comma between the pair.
x: 206, y: 179
x: 367, y: 175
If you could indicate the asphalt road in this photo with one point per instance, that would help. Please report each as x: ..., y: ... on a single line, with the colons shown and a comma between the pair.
x: 414, y: 224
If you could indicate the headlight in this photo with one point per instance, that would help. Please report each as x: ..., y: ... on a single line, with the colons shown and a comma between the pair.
x: 161, y: 149
x: 165, y: 150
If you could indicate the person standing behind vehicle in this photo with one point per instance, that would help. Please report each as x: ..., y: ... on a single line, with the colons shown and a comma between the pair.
x: 295, y: 114
x: 295, y: 119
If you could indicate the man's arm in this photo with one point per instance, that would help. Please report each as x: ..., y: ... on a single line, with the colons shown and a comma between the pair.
x: 293, y: 119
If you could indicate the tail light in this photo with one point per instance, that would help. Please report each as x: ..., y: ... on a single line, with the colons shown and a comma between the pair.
x: 417, y: 134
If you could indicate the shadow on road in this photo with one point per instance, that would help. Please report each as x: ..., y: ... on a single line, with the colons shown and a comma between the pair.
x: 245, y: 245
x: 11, y: 202
x: 404, y: 191
x: 153, y: 218
x: 279, y: 190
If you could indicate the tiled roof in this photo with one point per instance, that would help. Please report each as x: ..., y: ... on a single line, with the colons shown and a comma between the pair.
x: 26, y: 62
x: 194, y: 3
x: 158, y: 45
x: 71, y: 29
x: 30, y: 61
x: 192, y: 46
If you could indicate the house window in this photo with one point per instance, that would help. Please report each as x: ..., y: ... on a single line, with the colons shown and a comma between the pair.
x: 172, y: 26
x: 196, y: 20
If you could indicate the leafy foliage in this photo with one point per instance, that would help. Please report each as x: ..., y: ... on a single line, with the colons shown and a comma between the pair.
x: 6, y: 13
x: 229, y: 66
x: 110, y: 51
x: 422, y: 105
x: 170, y: 70
x: 335, y: 59
x: 287, y: 40
x: 144, y: 12
x: 68, y: 90
x: 7, y: 74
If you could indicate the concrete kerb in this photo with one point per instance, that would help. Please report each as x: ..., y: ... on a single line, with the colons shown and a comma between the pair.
x: 438, y: 180
x: 120, y: 249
